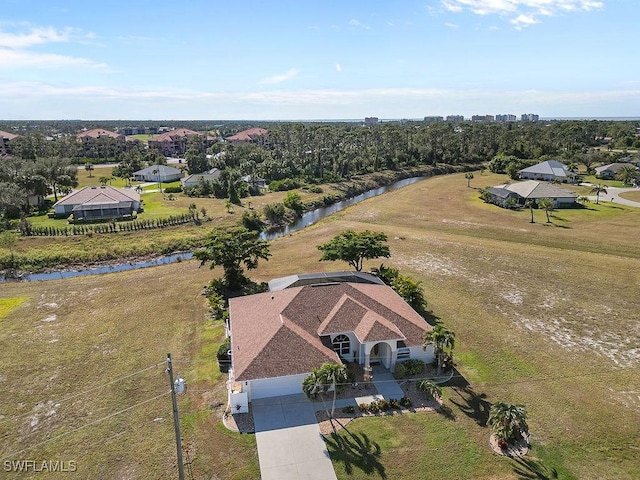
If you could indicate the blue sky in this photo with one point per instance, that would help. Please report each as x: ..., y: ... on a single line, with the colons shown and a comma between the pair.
x: 292, y: 60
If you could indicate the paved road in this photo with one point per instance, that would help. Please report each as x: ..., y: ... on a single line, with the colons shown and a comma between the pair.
x: 290, y: 446
x: 613, y: 195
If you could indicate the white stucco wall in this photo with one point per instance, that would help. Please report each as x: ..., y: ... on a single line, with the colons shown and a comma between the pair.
x: 421, y: 354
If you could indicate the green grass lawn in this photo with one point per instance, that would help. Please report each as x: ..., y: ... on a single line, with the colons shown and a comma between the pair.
x: 545, y: 315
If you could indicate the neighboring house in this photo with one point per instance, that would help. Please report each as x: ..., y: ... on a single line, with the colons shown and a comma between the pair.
x: 175, y: 141
x: 96, y: 133
x: 609, y: 172
x: 278, y: 337
x: 549, y: 171
x: 158, y: 173
x: 5, y: 138
x: 255, y: 182
x: 98, y: 203
x: 531, y: 190
x: 258, y: 136
x: 196, y: 178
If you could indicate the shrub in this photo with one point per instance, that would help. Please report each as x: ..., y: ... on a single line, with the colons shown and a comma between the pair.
x: 284, y: 185
x: 252, y: 221
x: 223, y: 350
x: 315, y: 189
x: 400, y: 371
x: 348, y: 409
x: 173, y: 189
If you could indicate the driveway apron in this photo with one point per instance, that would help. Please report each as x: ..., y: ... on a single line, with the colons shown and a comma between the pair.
x: 386, y: 385
x: 290, y: 446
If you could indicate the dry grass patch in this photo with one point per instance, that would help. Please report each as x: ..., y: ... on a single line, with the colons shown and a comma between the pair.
x: 84, y: 376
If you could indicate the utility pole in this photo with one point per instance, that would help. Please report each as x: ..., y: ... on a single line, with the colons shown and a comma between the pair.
x: 176, y: 418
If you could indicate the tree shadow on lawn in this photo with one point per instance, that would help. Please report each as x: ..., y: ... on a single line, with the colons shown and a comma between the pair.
x: 527, y: 469
x: 474, y: 405
x: 356, y: 450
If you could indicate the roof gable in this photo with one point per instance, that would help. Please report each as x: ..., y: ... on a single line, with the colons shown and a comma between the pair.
x: 268, y: 327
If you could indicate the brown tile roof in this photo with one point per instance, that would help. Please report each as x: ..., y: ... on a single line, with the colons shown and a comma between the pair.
x: 284, y: 332
x: 7, y: 135
x: 177, y: 134
x: 99, y: 132
x: 247, y: 135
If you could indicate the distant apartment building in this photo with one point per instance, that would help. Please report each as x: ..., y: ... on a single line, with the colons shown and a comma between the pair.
x: 455, y: 118
x: 506, y: 118
x: 482, y: 118
x: 100, y: 143
x: 258, y: 136
x: 370, y: 120
x: 5, y: 138
x: 175, y: 142
x: 529, y: 117
x: 433, y: 119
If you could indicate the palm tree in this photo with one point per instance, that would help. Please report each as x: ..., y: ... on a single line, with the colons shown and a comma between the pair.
x: 89, y: 168
x: 508, y: 422
x: 429, y: 387
x: 598, y: 189
x: 321, y: 380
x: 627, y: 174
x: 156, y: 171
x: 530, y: 204
x: 547, y: 205
x: 469, y: 177
x: 442, y: 339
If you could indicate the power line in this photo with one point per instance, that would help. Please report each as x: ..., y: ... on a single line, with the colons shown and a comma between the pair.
x: 92, y: 389
x: 14, y: 454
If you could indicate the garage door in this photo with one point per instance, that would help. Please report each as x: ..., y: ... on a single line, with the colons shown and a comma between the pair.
x: 274, y: 387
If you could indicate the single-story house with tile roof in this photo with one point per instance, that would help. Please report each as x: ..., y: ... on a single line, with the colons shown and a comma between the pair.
x: 158, y: 173
x: 279, y: 336
x: 98, y: 203
x: 194, y: 179
x: 549, y: 171
x: 611, y: 170
x: 532, y: 190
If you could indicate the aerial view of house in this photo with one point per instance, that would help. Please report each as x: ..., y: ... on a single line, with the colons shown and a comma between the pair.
x: 550, y: 171
x: 158, y: 173
x: 5, y: 138
x: 532, y: 190
x: 97, y: 203
x: 279, y: 336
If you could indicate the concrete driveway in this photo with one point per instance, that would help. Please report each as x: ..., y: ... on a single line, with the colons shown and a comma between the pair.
x: 290, y: 446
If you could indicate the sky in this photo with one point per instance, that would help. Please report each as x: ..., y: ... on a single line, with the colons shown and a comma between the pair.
x: 317, y: 60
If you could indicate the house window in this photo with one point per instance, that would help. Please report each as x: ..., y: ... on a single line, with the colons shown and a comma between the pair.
x: 341, y: 345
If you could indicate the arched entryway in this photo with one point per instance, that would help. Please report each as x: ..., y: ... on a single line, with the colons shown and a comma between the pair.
x: 380, y: 353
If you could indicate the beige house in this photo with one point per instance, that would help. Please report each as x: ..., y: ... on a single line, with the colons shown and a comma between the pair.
x: 278, y: 337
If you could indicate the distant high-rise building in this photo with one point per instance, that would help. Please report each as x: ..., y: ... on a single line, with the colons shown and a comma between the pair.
x: 455, y: 118
x: 433, y: 119
x: 482, y: 118
x: 506, y: 118
x: 370, y: 120
x: 529, y: 117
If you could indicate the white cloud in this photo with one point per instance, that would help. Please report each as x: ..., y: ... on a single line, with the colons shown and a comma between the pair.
x: 521, y: 12
x: 15, y: 48
x: 338, y: 67
x: 356, y: 23
x: 21, y: 58
x: 451, y: 25
x: 523, y: 21
x: 35, y: 36
x: 288, y: 75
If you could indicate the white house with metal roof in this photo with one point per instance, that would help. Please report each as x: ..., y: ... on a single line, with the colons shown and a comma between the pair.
x: 549, y: 171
